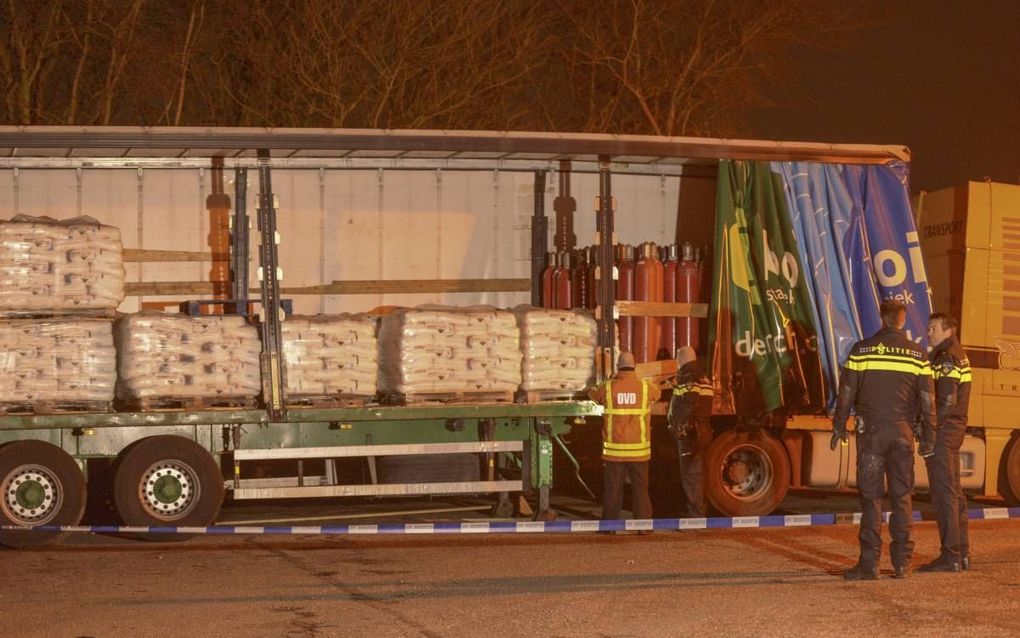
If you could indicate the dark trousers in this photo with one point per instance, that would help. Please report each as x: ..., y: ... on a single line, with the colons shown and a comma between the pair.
x: 886, y: 452
x: 692, y: 473
x: 947, y: 494
x: 613, y: 475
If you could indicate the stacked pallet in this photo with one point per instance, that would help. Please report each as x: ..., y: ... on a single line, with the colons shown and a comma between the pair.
x: 558, y: 348
x: 61, y: 361
x: 48, y: 265
x: 464, y: 353
x: 330, y: 355
x: 170, y: 356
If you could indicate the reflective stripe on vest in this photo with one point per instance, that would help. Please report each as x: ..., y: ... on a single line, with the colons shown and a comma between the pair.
x: 701, y: 389
x: 611, y: 448
x: 888, y: 362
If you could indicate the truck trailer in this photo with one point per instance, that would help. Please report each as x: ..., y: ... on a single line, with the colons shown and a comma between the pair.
x: 368, y: 219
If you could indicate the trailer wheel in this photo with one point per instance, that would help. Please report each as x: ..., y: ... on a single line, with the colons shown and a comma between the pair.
x: 40, y: 485
x: 746, y: 473
x: 167, y: 480
x: 1009, y: 474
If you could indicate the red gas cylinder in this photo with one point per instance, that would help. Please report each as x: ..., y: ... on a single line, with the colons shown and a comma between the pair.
x: 580, y: 290
x: 670, y: 269
x: 625, y: 291
x: 561, y: 283
x: 648, y: 275
x: 547, y: 280
x: 688, y: 291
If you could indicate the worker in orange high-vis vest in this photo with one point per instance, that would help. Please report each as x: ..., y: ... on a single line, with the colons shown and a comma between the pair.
x: 626, y: 438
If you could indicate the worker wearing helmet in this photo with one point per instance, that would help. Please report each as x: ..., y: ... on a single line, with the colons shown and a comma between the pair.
x: 626, y: 438
x: 690, y: 407
x: 887, y: 380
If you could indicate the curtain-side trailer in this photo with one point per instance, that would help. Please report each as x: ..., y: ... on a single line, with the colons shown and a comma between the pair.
x: 379, y: 218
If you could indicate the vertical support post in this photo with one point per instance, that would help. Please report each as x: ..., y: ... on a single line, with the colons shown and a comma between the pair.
x: 239, y: 243
x: 273, y: 380
x: 539, y: 239
x: 605, y: 313
x: 542, y: 466
x: 564, y: 205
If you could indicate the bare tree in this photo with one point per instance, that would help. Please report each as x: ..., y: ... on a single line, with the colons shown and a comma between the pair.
x: 667, y: 67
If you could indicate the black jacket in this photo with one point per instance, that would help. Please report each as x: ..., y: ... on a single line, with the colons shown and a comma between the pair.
x: 887, y: 380
x: 691, y: 401
x: 951, y: 370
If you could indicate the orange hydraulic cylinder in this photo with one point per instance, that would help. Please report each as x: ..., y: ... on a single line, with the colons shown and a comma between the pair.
x: 648, y: 276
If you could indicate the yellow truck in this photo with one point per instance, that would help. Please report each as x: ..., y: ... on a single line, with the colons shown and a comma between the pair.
x: 970, y: 239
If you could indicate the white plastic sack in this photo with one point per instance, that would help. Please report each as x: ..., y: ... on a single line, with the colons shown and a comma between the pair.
x: 172, y: 355
x: 328, y: 355
x: 61, y: 360
x: 47, y: 264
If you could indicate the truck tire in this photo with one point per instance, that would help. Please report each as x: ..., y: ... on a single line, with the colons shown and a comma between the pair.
x: 746, y: 473
x: 40, y: 484
x: 167, y: 480
x: 1009, y: 473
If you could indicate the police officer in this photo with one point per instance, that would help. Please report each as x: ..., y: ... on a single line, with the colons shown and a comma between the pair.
x: 626, y: 438
x: 689, y: 410
x: 951, y: 371
x: 887, y: 380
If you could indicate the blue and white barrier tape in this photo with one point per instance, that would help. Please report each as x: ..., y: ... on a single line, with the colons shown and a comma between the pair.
x: 510, y: 527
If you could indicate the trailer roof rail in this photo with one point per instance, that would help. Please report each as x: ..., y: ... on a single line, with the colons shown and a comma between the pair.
x: 375, y: 144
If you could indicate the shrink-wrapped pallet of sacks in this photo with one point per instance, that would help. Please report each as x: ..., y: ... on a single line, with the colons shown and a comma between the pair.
x: 558, y: 348
x: 172, y: 356
x: 47, y: 264
x: 329, y: 355
x: 442, y: 349
x: 57, y: 360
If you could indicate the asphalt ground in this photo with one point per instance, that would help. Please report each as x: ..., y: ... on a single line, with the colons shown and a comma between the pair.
x: 776, y: 582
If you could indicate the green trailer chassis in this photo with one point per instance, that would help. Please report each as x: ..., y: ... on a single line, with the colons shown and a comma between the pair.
x: 501, y: 434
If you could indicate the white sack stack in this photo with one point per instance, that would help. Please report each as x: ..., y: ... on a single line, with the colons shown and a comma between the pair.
x: 440, y: 349
x: 60, y: 360
x: 169, y: 355
x: 558, y: 347
x: 56, y: 265
x: 328, y: 355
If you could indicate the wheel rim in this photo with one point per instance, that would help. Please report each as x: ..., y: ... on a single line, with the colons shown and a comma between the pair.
x: 32, y: 495
x: 747, y: 472
x: 169, y: 490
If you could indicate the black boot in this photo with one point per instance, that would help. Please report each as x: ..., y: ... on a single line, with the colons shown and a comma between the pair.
x: 900, y: 572
x: 940, y: 565
x: 859, y: 572
x: 965, y: 563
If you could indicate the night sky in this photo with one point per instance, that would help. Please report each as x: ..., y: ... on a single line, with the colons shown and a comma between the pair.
x: 940, y: 77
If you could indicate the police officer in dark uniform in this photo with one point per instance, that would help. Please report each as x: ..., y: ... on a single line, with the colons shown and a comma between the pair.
x: 690, y: 407
x: 951, y: 371
x: 887, y: 380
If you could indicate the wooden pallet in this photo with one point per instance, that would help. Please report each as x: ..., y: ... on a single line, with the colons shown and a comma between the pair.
x: 328, y: 401
x: 53, y: 407
x: 66, y: 313
x: 164, y: 404
x: 447, y: 398
x: 543, y: 396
